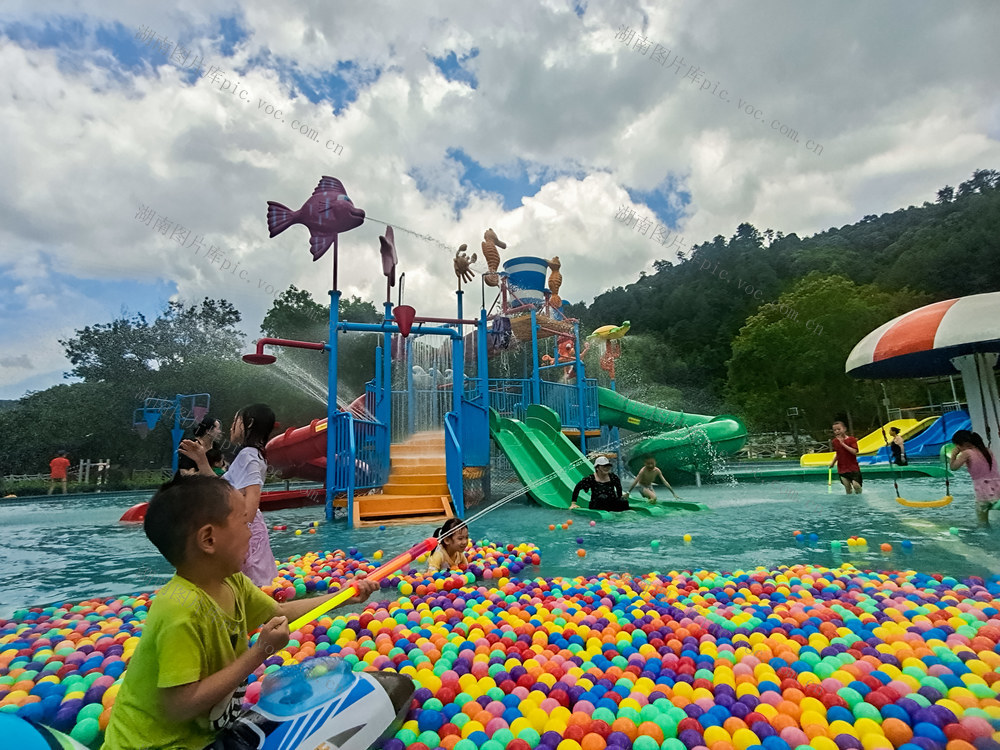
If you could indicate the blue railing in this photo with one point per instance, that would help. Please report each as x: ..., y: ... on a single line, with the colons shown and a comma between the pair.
x: 371, y: 440
x: 453, y: 462
x: 564, y: 399
x: 510, y: 396
x: 341, y: 432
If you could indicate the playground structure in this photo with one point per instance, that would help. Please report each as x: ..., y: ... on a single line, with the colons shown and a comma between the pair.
x: 185, y: 409
x: 418, y: 439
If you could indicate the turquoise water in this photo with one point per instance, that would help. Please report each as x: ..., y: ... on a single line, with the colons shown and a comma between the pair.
x: 58, y: 549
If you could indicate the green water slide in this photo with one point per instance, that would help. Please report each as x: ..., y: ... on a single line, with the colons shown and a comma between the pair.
x: 549, y: 465
x: 683, y: 443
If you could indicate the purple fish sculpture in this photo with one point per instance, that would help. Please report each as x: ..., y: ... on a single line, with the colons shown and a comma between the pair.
x: 327, y: 212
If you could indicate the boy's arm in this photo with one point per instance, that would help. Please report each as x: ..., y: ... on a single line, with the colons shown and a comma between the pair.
x: 298, y: 607
x: 847, y: 445
x: 187, y: 702
x: 664, y: 480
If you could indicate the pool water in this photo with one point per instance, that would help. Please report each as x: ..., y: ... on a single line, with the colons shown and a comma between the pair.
x: 58, y: 549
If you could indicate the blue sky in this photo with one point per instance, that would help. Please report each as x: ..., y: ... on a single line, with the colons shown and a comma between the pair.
x: 537, y: 121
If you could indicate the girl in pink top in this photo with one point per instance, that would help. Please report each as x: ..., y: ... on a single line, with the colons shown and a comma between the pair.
x: 252, y: 425
x: 970, y: 451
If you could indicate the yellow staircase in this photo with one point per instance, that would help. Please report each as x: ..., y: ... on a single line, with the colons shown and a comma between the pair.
x: 416, y: 491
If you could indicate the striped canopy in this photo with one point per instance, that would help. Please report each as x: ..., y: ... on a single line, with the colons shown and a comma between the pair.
x: 922, y: 342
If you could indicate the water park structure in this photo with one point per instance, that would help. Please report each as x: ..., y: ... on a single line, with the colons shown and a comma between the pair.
x: 418, y: 439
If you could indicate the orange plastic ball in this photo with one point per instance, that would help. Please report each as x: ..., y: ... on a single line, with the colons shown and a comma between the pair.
x: 581, y: 553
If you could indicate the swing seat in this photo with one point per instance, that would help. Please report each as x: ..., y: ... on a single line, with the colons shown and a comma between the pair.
x: 925, y: 504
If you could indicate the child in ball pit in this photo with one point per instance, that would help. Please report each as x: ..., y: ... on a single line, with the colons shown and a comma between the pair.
x: 453, y: 538
x: 184, y: 684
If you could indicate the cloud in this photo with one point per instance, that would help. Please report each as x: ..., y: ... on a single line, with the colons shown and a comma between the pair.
x: 539, y: 124
x: 20, y: 361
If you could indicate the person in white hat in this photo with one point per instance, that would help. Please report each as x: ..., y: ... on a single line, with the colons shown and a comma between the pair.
x: 604, y: 486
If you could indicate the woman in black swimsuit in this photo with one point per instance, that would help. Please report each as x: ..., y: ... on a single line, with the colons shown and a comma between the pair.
x: 897, y: 447
x: 605, y: 488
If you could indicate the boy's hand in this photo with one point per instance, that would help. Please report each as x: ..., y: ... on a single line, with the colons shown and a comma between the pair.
x: 365, y: 589
x: 274, y: 634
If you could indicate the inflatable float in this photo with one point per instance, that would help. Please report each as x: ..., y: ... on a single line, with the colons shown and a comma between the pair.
x: 316, y: 704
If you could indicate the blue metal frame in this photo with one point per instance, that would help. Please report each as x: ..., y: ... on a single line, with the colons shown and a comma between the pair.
x: 345, y: 432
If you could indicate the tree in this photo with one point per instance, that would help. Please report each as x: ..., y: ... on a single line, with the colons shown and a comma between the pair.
x: 791, y: 352
x: 296, y: 315
x: 946, y: 194
x: 129, y: 348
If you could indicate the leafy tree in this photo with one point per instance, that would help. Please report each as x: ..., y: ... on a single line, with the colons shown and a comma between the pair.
x: 791, y: 352
x: 130, y: 348
x: 296, y: 315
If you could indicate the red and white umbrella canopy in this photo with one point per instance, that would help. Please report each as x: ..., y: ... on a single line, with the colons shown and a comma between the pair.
x: 922, y: 342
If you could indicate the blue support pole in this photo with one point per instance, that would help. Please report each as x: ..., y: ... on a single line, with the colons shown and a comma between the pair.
x: 176, y: 433
x: 384, y: 415
x: 581, y: 389
x: 536, y: 381
x: 331, y: 412
x: 458, y: 367
x: 411, y: 404
x: 482, y: 366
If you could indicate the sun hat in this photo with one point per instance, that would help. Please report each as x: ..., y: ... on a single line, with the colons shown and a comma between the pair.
x: 602, y: 461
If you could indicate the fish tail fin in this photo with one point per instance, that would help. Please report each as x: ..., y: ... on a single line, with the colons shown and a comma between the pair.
x: 279, y: 217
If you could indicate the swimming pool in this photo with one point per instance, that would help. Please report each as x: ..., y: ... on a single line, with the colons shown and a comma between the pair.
x: 56, y: 549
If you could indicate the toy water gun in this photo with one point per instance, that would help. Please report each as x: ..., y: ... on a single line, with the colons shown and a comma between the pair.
x: 421, y: 548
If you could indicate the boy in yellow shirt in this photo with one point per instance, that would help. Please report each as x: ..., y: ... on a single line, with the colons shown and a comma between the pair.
x: 193, y: 654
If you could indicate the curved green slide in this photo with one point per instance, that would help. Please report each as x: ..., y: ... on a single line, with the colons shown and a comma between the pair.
x: 685, y: 443
x: 549, y: 465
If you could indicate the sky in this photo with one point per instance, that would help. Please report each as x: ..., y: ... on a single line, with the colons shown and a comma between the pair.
x: 140, y: 136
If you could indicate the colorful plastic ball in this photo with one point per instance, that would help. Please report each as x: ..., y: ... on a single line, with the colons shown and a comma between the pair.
x: 581, y: 552
x: 377, y: 555
x: 312, y: 531
x: 835, y: 544
x: 655, y: 544
x: 814, y: 537
x: 907, y: 544
x: 687, y: 537
x: 579, y: 540
x: 298, y: 532
x: 593, y: 523
x: 552, y: 527
x: 885, y: 547
x: 382, y: 527
x: 953, y: 530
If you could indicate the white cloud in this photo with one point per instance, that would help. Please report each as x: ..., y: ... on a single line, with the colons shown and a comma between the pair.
x: 893, y: 92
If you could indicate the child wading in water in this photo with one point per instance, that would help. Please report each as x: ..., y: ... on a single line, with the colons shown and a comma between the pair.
x: 252, y: 425
x: 450, y: 553
x: 194, y: 654
x: 648, y: 474
x: 971, y: 452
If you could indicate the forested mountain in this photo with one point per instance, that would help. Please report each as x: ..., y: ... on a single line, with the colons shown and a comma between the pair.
x: 695, y: 308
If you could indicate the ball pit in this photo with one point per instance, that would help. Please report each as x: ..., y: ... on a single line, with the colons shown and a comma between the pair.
x: 779, y: 658
x: 61, y: 665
